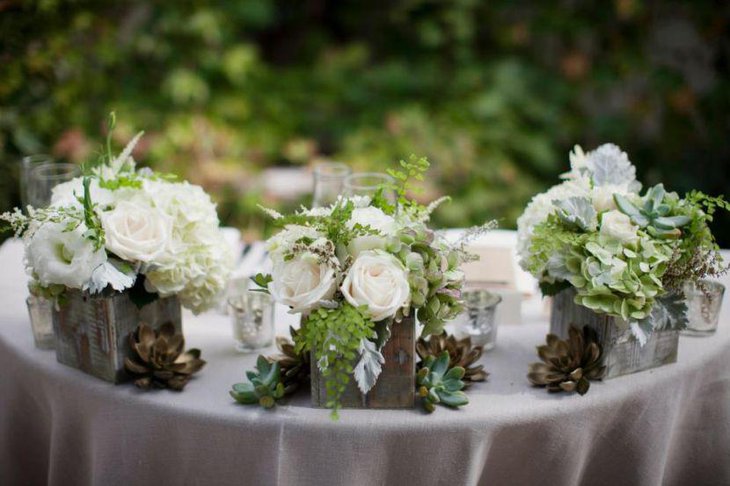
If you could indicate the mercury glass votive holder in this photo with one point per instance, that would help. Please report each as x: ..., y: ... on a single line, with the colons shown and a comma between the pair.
x: 478, y: 320
x: 252, y: 316
x: 704, y: 301
x: 40, y: 311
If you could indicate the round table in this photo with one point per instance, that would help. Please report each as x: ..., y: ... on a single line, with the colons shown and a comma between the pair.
x: 59, y: 426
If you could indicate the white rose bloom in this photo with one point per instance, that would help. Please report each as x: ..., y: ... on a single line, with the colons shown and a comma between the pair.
x: 302, y: 282
x: 616, y: 225
x: 136, y: 232
x: 61, y: 257
x: 379, y: 281
x: 375, y: 218
x: 602, y: 196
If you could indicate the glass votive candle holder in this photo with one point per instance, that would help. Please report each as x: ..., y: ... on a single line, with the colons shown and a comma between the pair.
x: 478, y: 320
x: 704, y: 302
x: 252, y: 316
x: 368, y: 184
x: 329, y: 181
x: 40, y: 311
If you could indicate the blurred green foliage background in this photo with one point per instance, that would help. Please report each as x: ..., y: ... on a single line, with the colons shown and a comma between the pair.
x: 494, y: 93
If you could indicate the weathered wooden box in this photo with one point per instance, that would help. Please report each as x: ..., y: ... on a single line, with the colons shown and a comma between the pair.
x: 622, y: 353
x: 396, y: 384
x: 92, y: 332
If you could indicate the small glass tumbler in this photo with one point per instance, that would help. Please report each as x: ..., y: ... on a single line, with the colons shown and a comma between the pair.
x: 329, y: 181
x: 704, y: 302
x: 479, y: 317
x: 252, y: 315
x: 368, y: 184
x: 44, y: 177
x: 26, y: 166
x: 40, y: 311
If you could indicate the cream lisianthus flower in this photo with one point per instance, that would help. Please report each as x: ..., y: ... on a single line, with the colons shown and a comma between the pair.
x: 136, y: 232
x: 59, y: 257
x: 302, y: 282
x: 379, y: 281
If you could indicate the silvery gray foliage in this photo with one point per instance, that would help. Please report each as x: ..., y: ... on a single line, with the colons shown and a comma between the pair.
x: 669, y: 313
x: 368, y: 369
x: 577, y: 211
x: 608, y: 164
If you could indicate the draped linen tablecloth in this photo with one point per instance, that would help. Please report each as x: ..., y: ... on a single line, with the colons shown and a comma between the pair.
x: 670, y: 425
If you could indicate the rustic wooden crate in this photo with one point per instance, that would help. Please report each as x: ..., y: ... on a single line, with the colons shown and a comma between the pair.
x: 622, y: 353
x: 396, y: 384
x: 92, y: 332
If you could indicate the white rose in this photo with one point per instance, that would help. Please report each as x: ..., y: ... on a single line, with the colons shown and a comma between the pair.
x: 302, y: 282
x: 379, y: 281
x: 373, y: 217
x: 618, y: 226
x: 602, y: 196
x: 136, y: 232
x: 57, y: 256
x: 376, y: 219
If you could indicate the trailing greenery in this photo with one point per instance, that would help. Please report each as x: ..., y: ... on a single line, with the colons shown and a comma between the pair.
x: 439, y: 384
x: 334, y: 336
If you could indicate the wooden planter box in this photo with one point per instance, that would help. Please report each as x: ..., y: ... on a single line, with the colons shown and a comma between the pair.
x: 396, y: 384
x: 92, y: 332
x: 622, y: 353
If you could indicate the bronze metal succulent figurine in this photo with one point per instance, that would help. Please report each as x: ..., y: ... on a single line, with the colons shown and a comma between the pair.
x: 568, y: 365
x: 461, y: 354
x: 158, y: 358
x: 294, y: 367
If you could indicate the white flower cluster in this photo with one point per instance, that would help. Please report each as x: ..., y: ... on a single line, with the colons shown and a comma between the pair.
x: 166, y: 231
x: 597, y: 176
x: 309, y: 279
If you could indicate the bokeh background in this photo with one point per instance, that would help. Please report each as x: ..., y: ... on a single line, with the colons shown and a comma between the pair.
x: 243, y: 97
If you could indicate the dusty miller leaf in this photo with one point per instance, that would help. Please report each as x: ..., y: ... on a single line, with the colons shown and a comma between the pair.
x: 369, y: 367
x: 577, y: 211
x: 669, y: 312
x: 609, y: 165
x: 107, y: 274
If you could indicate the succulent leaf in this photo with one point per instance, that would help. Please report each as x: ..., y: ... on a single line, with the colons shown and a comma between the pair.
x: 265, y: 386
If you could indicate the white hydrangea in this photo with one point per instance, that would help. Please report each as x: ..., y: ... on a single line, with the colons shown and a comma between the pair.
x: 542, y: 206
x: 197, y: 261
x: 68, y: 193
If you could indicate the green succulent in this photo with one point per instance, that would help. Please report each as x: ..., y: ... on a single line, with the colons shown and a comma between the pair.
x: 264, y: 387
x: 653, y: 215
x: 439, y: 384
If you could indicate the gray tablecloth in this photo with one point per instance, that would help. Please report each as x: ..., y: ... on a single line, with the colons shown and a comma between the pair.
x: 59, y: 426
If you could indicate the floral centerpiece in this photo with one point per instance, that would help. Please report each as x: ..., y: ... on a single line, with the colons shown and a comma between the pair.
x: 358, y: 269
x: 118, y: 227
x: 119, y: 245
x: 625, y: 254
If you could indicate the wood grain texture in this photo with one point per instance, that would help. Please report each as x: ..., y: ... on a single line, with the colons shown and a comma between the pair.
x: 92, y: 331
x: 622, y: 353
x: 396, y: 384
